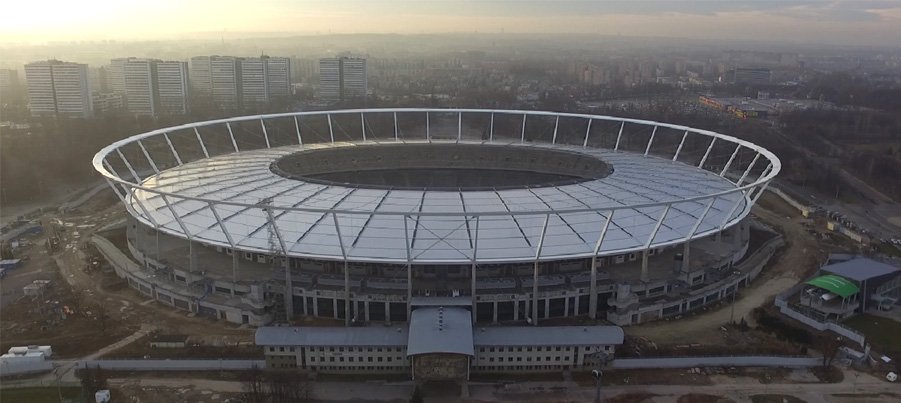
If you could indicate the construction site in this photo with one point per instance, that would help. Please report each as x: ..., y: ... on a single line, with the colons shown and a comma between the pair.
x: 59, y: 290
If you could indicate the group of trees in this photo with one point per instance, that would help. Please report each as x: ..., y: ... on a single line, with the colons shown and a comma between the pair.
x: 273, y: 386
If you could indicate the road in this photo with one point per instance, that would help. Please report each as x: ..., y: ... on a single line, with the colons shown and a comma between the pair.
x: 783, y: 273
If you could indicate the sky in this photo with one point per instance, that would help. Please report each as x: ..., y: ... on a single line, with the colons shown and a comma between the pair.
x: 840, y: 22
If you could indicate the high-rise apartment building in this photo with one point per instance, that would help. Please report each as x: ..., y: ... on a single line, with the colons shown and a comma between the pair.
x: 150, y: 86
x: 59, y: 89
x: 201, y: 85
x: 140, y: 91
x: 115, y: 75
x: 254, y: 72
x: 330, y: 79
x: 9, y: 86
x: 342, y: 78
x: 279, y: 79
x: 173, y: 87
x: 231, y: 82
x: 217, y: 79
x: 354, y: 80
x: 264, y: 78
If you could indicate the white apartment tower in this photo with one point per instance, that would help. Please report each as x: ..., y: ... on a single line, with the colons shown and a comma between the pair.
x: 254, y: 73
x: 330, y: 79
x: 279, y: 80
x: 264, y: 79
x: 115, y: 75
x: 354, y: 80
x: 342, y: 78
x: 173, y: 88
x: 217, y: 79
x: 201, y: 85
x: 150, y: 86
x: 140, y: 91
x: 60, y: 89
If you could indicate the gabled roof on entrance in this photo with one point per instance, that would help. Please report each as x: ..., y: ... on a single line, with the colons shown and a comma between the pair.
x: 437, y: 330
x: 835, y: 284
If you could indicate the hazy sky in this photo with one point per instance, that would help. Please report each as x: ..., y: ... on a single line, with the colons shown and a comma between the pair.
x: 824, y: 21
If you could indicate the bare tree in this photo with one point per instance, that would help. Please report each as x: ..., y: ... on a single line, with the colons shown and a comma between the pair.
x: 828, y: 343
x: 287, y: 386
x: 253, y: 385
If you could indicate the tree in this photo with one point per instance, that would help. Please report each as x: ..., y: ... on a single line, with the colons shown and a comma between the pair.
x: 253, y: 385
x: 287, y: 387
x: 828, y: 343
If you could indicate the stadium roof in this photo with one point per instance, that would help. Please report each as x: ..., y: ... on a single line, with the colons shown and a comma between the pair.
x: 440, y: 330
x: 860, y: 269
x: 442, y: 225
x: 549, y: 336
x: 835, y: 284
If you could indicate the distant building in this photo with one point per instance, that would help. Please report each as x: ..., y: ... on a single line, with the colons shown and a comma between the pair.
x: 753, y: 76
x: 342, y: 78
x: 264, y: 79
x: 9, y: 85
x: 140, y: 91
x: 174, y: 90
x: 150, y: 86
x: 279, y: 79
x: 108, y: 102
x: 59, y: 89
x: 217, y: 79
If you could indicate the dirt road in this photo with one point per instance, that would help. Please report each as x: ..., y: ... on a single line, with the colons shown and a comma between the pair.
x: 799, y: 255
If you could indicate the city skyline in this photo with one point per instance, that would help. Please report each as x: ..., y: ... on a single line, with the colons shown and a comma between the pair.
x: 870, y: 23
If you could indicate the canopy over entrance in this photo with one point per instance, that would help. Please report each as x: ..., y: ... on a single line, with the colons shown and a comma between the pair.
x: 835, y: 284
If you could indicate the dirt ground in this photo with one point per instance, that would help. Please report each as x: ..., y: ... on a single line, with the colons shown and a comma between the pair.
x: 644, y: 377
x: 73, y: 326
x: 135, y: 393
x: 86, y: 294
x: 233, y: 347
x: 799, y: 257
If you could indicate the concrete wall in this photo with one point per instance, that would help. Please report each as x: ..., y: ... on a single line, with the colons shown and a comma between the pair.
x: 803, y: 208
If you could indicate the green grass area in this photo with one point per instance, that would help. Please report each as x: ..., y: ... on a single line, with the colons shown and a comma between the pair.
x: 881, y: 332
x: 40, y: 395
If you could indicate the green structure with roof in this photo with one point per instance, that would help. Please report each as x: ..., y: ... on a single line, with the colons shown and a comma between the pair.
x: 835, y: 284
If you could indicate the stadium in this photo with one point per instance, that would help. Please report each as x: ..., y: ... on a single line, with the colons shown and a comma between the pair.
x: 361, y: 216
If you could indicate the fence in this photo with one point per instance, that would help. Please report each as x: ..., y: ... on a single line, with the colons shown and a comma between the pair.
x: 22, y: 366
x: 727, y: 361
x: 173, y: 365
